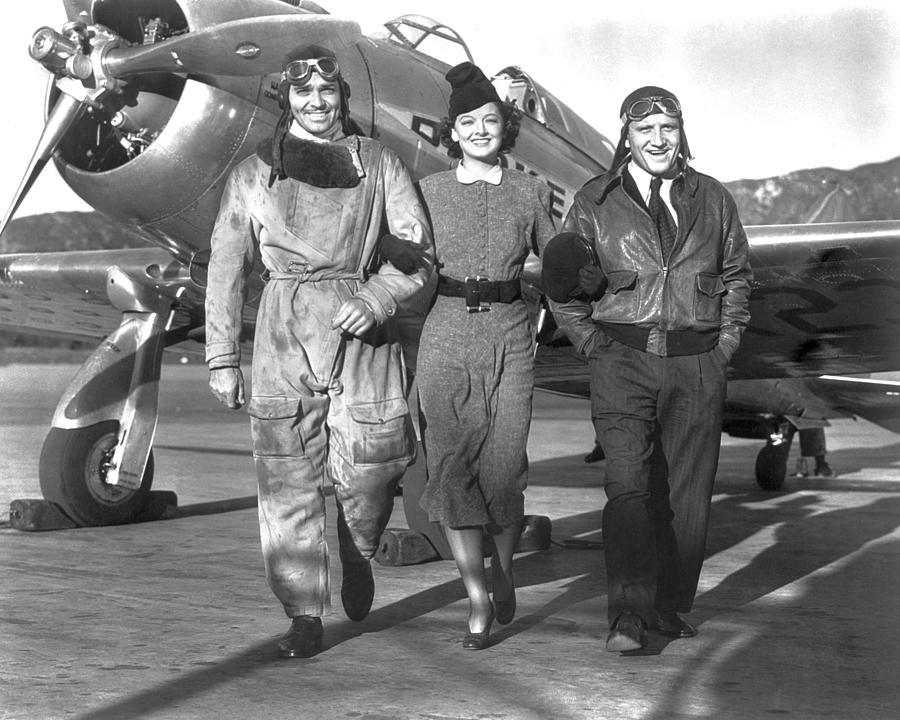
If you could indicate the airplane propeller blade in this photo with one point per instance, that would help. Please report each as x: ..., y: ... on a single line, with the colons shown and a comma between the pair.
x: 252, y: 46
x: 77, y: 8
x: 66, y: 111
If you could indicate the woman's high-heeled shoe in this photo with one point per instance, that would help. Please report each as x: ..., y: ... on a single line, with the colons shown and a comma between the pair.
x: 479, y: 640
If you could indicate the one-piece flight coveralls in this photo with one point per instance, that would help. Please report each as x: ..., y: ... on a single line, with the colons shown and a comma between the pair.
x: 324, y: 403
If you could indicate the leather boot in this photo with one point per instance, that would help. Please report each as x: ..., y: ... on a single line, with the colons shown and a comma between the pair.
x: 357, y: 589
x: 304, y: 639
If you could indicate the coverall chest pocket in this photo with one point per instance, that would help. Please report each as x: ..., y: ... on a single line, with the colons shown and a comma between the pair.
x: 381, y: 432
x: 315, y: 218
x: 708, y: 297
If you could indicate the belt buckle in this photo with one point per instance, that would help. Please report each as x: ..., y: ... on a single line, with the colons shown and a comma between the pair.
x: 474, y: 302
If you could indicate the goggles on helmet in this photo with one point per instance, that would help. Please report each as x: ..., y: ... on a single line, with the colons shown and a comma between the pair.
x: 651, y: 105
x: 298, y: 72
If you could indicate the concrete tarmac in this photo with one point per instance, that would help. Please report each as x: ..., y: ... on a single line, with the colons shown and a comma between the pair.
x: 798, y: 607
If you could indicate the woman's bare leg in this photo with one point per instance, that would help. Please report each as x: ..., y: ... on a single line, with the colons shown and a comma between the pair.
x: 467, y: 546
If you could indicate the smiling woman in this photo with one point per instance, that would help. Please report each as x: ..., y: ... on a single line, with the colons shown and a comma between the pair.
x: 479, y: 134
x: 475, y: 370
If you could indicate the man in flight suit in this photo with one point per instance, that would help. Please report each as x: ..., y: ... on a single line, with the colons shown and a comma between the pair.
x: 329, y: 384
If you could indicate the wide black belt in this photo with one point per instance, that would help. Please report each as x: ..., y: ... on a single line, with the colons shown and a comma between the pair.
x: 479, y: 291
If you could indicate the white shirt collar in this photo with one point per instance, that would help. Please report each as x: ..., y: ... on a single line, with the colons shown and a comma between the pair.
x: 467, y: 177
x: 642, y: 179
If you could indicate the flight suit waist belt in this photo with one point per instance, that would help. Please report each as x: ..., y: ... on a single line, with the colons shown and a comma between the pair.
x: 307, y: 276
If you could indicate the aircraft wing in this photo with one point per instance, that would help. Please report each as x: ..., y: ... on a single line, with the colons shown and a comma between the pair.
x: 825, y: 305
x: 873, y: 398
x: 825, y: 300
x: 804, y: 402
x: 82, y: 294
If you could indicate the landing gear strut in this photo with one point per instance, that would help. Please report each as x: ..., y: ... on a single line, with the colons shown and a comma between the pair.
x: 97, y: 464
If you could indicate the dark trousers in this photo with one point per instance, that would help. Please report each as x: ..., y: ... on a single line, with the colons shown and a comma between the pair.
x: 812, y: 442
x: 659, y: 421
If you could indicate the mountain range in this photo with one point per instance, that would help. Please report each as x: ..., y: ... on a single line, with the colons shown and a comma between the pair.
x: 870, y: 192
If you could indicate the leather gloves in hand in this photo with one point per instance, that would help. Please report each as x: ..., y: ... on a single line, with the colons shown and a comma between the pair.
x: 404, y: 255
x: 592, y: 281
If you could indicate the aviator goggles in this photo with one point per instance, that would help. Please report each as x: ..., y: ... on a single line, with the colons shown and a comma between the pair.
x: 298, y: 72
x: 651, y: 105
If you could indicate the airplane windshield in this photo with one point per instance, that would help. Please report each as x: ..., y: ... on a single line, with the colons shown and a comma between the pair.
x: 516, y: 86
x: 427, y: 36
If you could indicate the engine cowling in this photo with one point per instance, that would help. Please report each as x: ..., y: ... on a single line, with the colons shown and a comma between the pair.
x: 154, y: 152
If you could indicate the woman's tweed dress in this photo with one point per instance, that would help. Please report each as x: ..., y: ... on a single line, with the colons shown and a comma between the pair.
x: 475, y: 370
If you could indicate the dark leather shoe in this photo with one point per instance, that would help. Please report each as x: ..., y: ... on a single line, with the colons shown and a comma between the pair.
x: 357, y: 589
x: 304, y: 639
x: 478, y: 640
x: 628, y: 632
x: 671, y: 625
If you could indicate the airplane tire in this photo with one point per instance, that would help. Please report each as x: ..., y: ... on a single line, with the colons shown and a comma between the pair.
x: 771, y: 466
x: 72, y: 475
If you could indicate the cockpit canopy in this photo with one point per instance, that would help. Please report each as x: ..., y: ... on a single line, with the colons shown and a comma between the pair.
x: 427, y: 36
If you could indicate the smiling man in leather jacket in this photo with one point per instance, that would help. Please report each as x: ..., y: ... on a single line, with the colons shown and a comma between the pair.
x: 659, y: 339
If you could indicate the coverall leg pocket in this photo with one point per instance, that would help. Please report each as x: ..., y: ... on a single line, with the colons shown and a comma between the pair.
x: 373, y: 443
x: 381, y: 432
x: 275, y: 427
x: 288, y: 447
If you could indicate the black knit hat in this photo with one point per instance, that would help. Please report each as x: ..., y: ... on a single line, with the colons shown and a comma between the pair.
x: 470, y: 89
x: 648, y: 91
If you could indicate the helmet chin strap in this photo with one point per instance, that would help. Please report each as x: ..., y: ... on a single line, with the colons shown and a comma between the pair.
x: 281, y: 130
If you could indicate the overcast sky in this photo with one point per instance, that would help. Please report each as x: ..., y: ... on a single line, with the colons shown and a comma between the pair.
x: 767, y: 87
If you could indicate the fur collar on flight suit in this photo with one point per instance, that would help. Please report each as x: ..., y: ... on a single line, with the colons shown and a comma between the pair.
x: 324, y: 165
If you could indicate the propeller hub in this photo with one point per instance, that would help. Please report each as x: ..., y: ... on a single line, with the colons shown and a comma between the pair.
x: 62, y: 54
x: 51, y: 49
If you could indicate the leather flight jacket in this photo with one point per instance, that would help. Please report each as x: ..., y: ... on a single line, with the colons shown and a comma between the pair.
x: 702, y: 287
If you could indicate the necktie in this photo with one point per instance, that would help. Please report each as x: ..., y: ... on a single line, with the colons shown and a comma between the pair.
x: 662, y: 218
